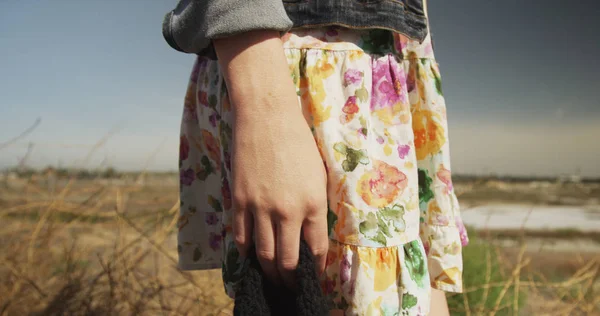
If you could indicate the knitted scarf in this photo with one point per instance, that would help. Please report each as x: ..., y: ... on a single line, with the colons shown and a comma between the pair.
x: 259, y: 297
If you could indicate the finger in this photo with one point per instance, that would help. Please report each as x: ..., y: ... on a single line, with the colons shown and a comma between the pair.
x: 288, y: 249
x: 315, y: 235
x: 264, y: 238
x: 242, y: 230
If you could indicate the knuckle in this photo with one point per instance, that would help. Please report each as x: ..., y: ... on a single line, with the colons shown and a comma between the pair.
x: 265, y: 256
x: 288, y: 265
x: 316, y: 203
x: 239, y: 202
x: 243, y: 203
x: 319, y: 251
x: 240, y: 240
x: 285, y: 218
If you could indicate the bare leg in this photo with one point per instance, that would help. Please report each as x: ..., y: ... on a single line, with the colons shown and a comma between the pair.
x: 439, y: 305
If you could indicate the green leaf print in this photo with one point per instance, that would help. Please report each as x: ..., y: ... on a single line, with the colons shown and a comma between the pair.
x: 212, y: 101
x: 395, y: 214
x: 331, y: 220
x: 353, y: 156
x: 368, y: 225
x: 415, y: 263
x: 409, y: 301
x: 425, y: 192
x: 378, y: 41
x: 383, y: 227
x: 417, y: 67
x: 375, y: 229
x: 343, y: 305
x: 205, y: 170
x: 214, y: 202
x: 233, y: 265
x: 295, y: 75
x: 226, y: 135
x: 197, y: 254
x: 438, y: 81
x: 380, y: 238
x: 340, y: 148
x: 362, y: 94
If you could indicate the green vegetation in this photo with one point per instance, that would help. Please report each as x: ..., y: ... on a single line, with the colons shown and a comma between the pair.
x: 483, y: 266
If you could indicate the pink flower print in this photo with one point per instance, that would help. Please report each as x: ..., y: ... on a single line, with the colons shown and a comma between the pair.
x: 362, y: 132
x: 464, y: 238
x: 187, y: 177
x: 214, y: 241
x: 195, y: 70
x: 380, y: 140
x: 213, y: 118
x: 426, y: 246
x: 227, y: 160
x: 199, y: 68
x: 332, y: 32
x: 400, y: 42
x: 328, y: 285
x: 350, y: 107
x: 352, y: 76
x: 184, y: 147
x: 211, y: 219
x: 203, y: 98
x: 226, y: 193
x: 345, y: 272
x: 387, y: 85
x: 190, y: 113
x: 403, y: 151
x: 446, y: 177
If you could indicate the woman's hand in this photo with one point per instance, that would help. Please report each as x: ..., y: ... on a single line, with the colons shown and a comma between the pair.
x: 279, y: 182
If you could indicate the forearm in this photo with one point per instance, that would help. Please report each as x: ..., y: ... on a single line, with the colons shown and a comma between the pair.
x: 257, y: 74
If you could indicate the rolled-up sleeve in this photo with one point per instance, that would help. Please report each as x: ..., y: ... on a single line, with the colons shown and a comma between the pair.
x: 193, y: 24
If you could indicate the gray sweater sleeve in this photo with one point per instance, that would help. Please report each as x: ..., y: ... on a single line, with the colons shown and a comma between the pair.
x: 193, y: 23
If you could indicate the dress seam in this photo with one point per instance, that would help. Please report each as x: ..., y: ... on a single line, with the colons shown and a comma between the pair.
x: 374, y: 247
x: 359, y: 50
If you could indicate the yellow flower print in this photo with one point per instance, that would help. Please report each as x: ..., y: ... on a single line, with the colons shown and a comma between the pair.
x: 452, y: 249
x: 384, y: 264
x: 436, y: 215
x: 315, y: 92
x: 374, y: 309
x: 449, y: 276
x: 428, y: 131
x: 212, y: 146
x: 381, y: 185
x: 343, y: 208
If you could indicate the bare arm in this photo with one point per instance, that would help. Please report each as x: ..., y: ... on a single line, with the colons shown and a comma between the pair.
x: 279, y: 181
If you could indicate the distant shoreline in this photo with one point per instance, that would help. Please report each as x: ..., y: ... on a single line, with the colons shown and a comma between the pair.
x: 114, y: 173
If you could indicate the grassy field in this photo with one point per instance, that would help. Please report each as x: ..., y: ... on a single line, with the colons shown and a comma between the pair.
x: 106, y: 246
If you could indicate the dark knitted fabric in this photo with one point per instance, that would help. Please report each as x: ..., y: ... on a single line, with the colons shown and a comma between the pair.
x: 259, y: 297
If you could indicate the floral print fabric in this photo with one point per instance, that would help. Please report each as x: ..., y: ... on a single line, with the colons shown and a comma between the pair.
x: 375, y: 105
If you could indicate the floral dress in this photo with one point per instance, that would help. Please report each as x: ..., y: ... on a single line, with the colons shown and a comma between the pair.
x: 374, y: 102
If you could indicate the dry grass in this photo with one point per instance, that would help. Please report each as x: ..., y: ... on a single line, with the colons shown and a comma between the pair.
x: 97, y: 249
x: 77, y: 247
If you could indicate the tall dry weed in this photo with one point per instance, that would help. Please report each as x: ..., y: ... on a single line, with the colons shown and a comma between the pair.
x: 74, y: 247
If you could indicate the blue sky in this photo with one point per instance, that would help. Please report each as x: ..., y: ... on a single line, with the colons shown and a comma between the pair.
x: 520, y: 78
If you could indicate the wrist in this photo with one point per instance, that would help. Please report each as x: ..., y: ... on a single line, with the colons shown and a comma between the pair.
x: 257, y: 75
